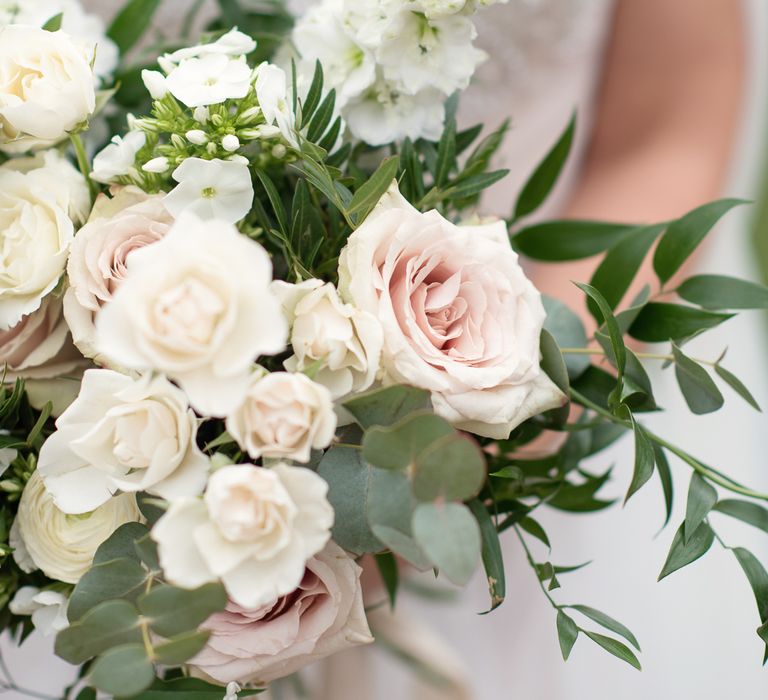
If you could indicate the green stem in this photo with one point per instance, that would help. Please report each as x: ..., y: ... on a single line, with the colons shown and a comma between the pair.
x: 712, y: 474
x: 640, y: 355
x: 83, y: 164
x: 532, y: 563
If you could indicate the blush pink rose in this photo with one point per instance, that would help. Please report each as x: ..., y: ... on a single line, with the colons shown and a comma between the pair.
x: 324, y: 615
x: 118, y: 225
x: 460, y: 317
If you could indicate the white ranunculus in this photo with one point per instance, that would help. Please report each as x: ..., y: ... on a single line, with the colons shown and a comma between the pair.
x: 122, y: 434
x: 39, y: 198
x: 211, y: 189
x: 198, y: 307
x: 119, y: 157
x: 48, y: 609
x: 283, y: 416
x: 209, y: 80
x: 255, y: 529
x: 60, y: 545
x: 47, y: 87
x: 118, y: 225
x: 233, y: 43
x: 343, y: 340
x: 272, y: 94
x: 460, y: 317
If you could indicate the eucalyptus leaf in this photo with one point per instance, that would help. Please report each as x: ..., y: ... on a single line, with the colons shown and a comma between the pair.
x: 451, y: 468
x: 119, y: 578
x: 684, y: 552
x: 388, y: 405
x: 718, y: 292
x: 701, y: 499
x: 181, y: 648
x: 403, y: 545
x: 171, y: 611
x: 121, y: 543
x: 124, y: 670
x: 567, y: 633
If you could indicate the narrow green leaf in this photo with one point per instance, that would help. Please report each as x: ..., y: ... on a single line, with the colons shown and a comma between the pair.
x: 274, y: 200
x: 615, y: 647
x: 617, y: 341
x: 608, y: 622
x: 322, y: 118
x: 472, y: 186
x: 751, y: 513
x: 493, y: 560
x: 465, y: 138
x: 718, y: 292
x: 314, y: 94
x: 701, y: 499
x: 54, y: 23
x: 665, y: 476
x: 684, y: 235
x: 390, y: 576
x: 446, y: 153
x: 757, y: 577
x: 131, y: 23
x: 540, y: 184
x: 123, y: 671
x: 181, y: 648
x: 699, y: 390
x: 369, y: 194
x: 567, y: 633
x: 644, y: 460
x: 533, y: 528
x: 682, y: 553
x: 660, y: 322
x: 478, y: 160
x: 737, y: 385
x: 558, y: 241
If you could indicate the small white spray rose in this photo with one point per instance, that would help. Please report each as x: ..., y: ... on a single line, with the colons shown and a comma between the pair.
x: 122, y: 434
x: 62, y: 546
x: 198, y: 307
x: 254, y: 529
x: 343, y: 341
x: 48, y: 609
x: 211, y: 189
x: 283, y: 416
x: 47, y: 87
x: 209, y: 80
x: 118, y: 158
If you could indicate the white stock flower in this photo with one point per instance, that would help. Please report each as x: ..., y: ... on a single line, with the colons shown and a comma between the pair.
x: 344, y: 341
x: 460, y: 317
x: 118, y: 158
x: 211, y: 189
x: 233, y: 43
x: 272, y: 94
x: 155, y: 83
x: 254, y: 529
x: 48, y: 609
x: 39, y: 200
x: 283, y: 416
x: 60, y: 545
x: 440, y: 8
x: 209, y: 80
x: 122, y: 434
x: 47, y: 87
x: 196, y: 306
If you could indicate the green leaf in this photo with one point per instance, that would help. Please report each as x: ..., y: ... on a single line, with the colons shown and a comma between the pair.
x: 567, y: 633
x: 540, y: 184
x: 751, y: 513
x: 108, y: 625
x: 701, y: 499
x: 533, y: 528
x: 86, y: 694
x: 616, y: 272
x: 451, y: 468
x: 390, y: 576
x: 314, y: 94
x: 121, y: 543
x: 181, y: 649
x: 119, y: 578
x: 608, y: 622
x: 54, y: 23
x: 558, y: 241
x: 614, y: 332
x: 757, y: 577
x: 683, y: 552
x: 472, y: 186
x: 387, y: 406
x: 369, y: 194
x: 450, y: 537
x: 660, y: 322
x: 493, y: 560
x: 171, y: 611
x: 146, y: 548
x: 568, y: 331
x: 699, y: 390
x: 403, y: 545
x: 644, y: 460
x: 684, y: 235
x: 446, y: 153
x: 123, y: 670
x: 322, y: 118
x: 716, y: 292
x: 274, y: 200
x: 479, y: 159
x: 665, y: 476
x: 615, y: 647
x: 131, y: 23
x: 553, y: 363
x: 737, y: 385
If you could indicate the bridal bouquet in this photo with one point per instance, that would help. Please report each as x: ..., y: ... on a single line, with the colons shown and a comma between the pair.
x: 266, y: 336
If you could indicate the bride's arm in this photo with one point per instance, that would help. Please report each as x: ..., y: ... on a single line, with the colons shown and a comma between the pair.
x: 667, y: 112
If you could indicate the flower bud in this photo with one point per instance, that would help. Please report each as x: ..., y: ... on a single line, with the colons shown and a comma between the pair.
x: 178, y: 141
x: 157, y: 165
x: 201, y: 115
x: 230, y: 143
x: 197, y: 137
x: 154, y: 81
x: 279, y: 151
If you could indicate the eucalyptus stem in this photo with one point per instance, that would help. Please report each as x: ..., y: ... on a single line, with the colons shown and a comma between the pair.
x: 83, y: 164
x: 532, y: 563
x: 712, y: 474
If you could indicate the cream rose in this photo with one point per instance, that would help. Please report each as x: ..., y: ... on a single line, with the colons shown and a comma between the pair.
x: 254, y: 529
x: 60, y: 545
x: 47, y: 86
x: 119, y: 225
x: 343, y: 341
x: 196, y: 306
x: 283, y: 416
x: 460, y: 317
x: 122, y: 434
x: 323, y: 616
x: 41, y: 199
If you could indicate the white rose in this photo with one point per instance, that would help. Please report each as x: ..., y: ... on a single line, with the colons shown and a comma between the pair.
x: 460, y: 317
x: 283, y: 416
x: 60, y: 545
x: 118, y: 158
x: 47, y: 86
x: 122, y: 434
x: 255, y: 529
x: 129, y: 220
x: 48, y: 609
x: 196, y: 306
x: 343, y: 340
x: 39, y: 197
